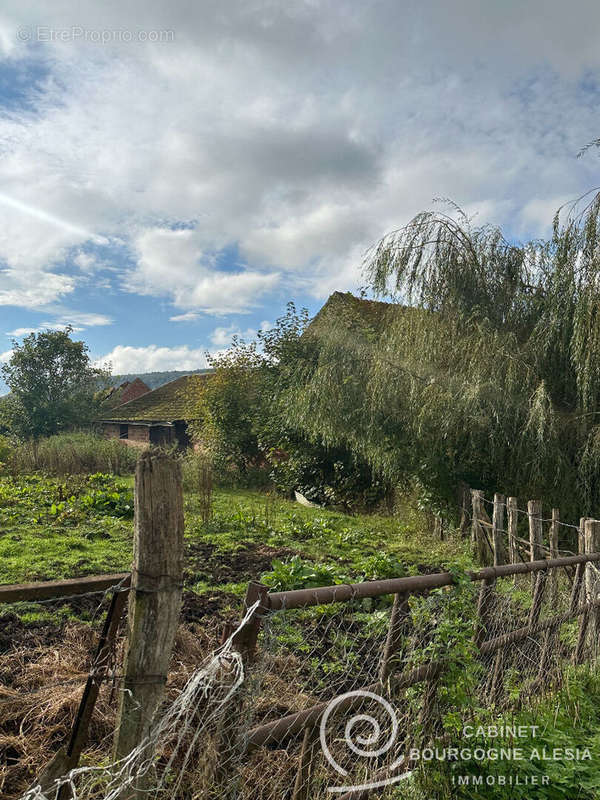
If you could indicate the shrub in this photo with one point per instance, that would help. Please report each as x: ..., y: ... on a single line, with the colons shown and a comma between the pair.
x: 6, y: 452
x: 197, y: 471
x: 72, y: 454
x: 299, y: 574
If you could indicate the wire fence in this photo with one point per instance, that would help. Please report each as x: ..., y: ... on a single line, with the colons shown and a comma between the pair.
x: 328, y: 690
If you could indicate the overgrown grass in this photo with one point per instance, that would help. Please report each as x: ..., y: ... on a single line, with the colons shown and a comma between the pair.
x: 65, y: 527
x: 54, y: 528
x: 559, y: 738
x: 71, y: 454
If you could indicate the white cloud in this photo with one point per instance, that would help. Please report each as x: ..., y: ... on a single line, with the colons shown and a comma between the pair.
x: 32, y: 290
x: 19, y: 332
x: 77, y: 320
x: 4, y: 357
x: 152, y: 358
x: 298, y: 132
x: 222, y: 336
x: 189, y: 316
x: 83, y: 318
x: 173, y: 262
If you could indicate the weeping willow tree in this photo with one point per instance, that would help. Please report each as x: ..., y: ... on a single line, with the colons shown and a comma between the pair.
x: 483, y: 369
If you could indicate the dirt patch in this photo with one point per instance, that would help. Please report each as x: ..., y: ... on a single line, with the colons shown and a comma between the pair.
x: 15, y: 633
x: 206, y: 563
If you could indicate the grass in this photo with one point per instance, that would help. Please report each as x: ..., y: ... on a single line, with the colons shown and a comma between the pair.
x: 55, y: 528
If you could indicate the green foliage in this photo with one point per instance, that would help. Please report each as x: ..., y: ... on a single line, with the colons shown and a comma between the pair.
x: 490, y: 379
x: 244, y: 421
x: 70, y: 454
x: 58, y: 528
x: 299, y: 574
x: 569, y: 719
x: 52, y: 383
x: 6, y: 452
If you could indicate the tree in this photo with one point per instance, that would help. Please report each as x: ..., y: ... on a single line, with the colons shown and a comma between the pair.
x: 52, y: 383
x: 487, y: 372
x: 242, y: 413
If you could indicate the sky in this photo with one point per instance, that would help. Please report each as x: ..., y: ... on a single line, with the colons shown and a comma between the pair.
x: 173, y: 173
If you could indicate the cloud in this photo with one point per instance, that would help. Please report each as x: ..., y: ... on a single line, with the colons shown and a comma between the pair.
x: 19, y: 332
x: 126, y: 359
x: 32, y: 289
x: 83, y: 318
x: 189, y: 316
x: 293, y: 134
x: 174, y: 263
x: 77, y: 320
x: 222, y: 336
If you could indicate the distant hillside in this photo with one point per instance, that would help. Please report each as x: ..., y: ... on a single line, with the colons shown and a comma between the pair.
x: 155, y: 379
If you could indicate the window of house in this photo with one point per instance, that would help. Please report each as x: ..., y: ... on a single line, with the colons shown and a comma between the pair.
x: 123, y: 431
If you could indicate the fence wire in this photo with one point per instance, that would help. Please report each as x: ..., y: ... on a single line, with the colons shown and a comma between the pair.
x: 328, y: 709
x: 336, y: 697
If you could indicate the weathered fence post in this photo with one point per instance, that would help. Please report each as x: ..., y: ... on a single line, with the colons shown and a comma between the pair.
x: 398, y: 620
x: 536, y: 551
x: 484, y: 608
x: 155, y: 596
x: 554, y: 553
x: 479, y: 539
x: 581, y: 536
x: 592, y: 581
x: 67, y: 758
x: 306, y: 765
x: 463, y: 501
x: 538, y: 597
x: 513, y: 552
x: 498, y: 530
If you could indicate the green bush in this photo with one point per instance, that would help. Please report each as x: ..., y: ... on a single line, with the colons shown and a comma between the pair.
x: 299, y: 574
x: 6, y: 452
x: 73, y: 454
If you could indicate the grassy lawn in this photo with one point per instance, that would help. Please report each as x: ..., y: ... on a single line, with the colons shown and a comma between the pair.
x: 59, y: 528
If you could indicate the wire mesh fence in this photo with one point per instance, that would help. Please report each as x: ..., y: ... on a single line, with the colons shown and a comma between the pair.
x: 333, y: 691
x: 49, y: 650
x: 341, y: 696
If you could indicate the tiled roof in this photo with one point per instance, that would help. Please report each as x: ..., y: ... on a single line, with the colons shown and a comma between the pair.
x: 345, y: 308
x: 168, y: 403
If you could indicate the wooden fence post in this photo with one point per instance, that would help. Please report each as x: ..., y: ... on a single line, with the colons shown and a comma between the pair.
x: 581, y: 536
x: 484, y: 609
x: 592, y: 581
x: 155, y: 596
x: 513, y: 552
x: 479, y: 539
x: 463, y: 501
x: 398, y: 620
x: 67, y: 757
x: 498, y: 530
x: 306, y: 765
x: 536, y: 551
x: 228, y: 737
x: 554, y: 553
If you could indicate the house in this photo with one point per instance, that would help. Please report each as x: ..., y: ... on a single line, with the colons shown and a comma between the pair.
x: 129, y: 390
x: 156, y: 417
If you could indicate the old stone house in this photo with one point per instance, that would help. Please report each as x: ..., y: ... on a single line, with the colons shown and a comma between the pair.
x: 157, y: 417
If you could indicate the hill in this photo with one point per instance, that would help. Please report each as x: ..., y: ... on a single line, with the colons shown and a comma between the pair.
x: 155, y: 379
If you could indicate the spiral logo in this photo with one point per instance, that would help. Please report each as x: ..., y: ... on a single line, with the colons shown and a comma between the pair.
x: 374, y: 745
x: 24, y: 34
